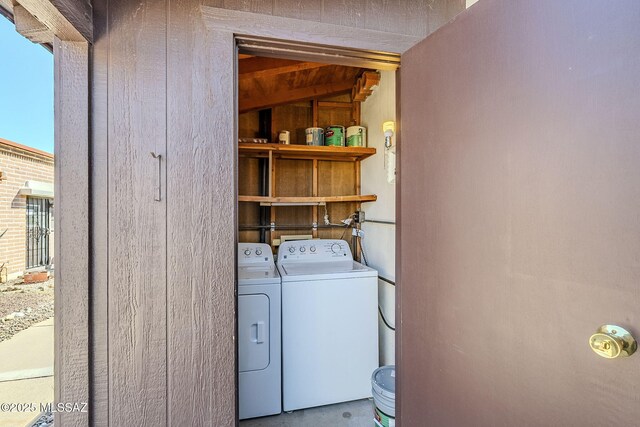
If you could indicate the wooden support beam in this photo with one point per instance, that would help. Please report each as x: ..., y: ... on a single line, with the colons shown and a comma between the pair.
x: 30, y: 28
x: 79, y: 13
x: 314, y: 193
x: 252, y: 102
x: 332, y: 104
x: 260, y: 67
x: 355, y: 113
x: 64, y: 18
x: 364, y: 85
x: 314, y: 107
x: 271, y: 175
x: 357, y: 173
x: 72, y: 244
x: 272, y: 192
x: 358, y: 204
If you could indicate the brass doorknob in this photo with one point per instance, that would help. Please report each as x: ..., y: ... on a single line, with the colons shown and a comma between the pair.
x: 611, y: 341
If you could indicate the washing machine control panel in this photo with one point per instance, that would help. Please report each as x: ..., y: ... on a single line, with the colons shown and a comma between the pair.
x: 317, y: 250
x: 254, y: 254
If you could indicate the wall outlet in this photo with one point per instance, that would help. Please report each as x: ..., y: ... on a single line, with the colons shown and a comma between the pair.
x: 358, y: 217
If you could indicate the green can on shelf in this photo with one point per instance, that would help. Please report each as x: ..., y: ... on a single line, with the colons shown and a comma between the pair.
x: 334, y: 136
x: 356, y: 136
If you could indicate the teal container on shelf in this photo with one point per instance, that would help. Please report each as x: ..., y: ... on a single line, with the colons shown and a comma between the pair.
x: 334, y: 136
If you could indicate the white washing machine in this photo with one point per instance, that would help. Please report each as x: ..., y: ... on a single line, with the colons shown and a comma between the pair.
x: 329, y: 324
x: 259, y: 335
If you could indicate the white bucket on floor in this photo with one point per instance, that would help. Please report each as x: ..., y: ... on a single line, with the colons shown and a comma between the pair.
x: 383, y: 384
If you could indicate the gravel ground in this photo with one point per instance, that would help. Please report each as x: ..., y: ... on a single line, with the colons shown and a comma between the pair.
x: 22, y: 305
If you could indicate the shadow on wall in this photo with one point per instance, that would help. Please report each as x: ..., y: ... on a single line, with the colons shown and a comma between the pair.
x: 19, y: 202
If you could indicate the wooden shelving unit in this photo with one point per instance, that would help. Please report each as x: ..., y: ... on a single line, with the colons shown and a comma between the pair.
x: 307, y: 200
x: 297, y: 184
x: 305, y: 152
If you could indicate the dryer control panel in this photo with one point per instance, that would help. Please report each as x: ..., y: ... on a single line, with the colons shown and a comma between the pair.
x: 254, y: 254
x: 316, y: 250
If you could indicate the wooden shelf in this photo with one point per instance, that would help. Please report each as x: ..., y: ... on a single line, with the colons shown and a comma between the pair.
x: 298, y: 183
x: 305, y: 152
x: 307, y: 200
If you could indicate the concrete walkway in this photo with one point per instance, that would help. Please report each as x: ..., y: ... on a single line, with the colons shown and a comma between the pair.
x: 26, y: 372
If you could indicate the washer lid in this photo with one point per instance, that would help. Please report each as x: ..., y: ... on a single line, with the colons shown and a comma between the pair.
x: 258, y: 275
x: 324, y: 270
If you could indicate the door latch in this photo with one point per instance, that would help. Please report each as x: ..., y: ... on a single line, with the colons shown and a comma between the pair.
x: 611, y: 341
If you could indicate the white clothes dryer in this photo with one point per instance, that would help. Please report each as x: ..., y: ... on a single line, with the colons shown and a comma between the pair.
x: 259, y: 333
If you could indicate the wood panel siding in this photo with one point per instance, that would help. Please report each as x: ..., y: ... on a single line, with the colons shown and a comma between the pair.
x: 137, y: 318
x: 413, y: 17
x: 249, y: 125
x: 277, y: 27
x: 201, y: 158
x: 163, y: 278
x: 99, y: 191
x: 292, y: 117
x: 71, y: 69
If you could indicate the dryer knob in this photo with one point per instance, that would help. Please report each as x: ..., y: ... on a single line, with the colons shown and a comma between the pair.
x: 292, y: 249
x: 336, y: 248
x: 312, y: 248
x: 302, y: 249
x: 258, y: 252
x: 247, y: 252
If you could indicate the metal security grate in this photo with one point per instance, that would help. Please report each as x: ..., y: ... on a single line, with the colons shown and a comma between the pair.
x: 38, y: 216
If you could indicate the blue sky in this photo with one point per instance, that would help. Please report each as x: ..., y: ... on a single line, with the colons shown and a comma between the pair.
x: 26, y: 94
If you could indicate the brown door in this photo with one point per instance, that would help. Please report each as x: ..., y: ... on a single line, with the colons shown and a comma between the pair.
x: 520, y: 216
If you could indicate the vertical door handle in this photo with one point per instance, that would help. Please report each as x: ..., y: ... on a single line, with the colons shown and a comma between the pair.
x: 259, y: 332
x: 158, y: 192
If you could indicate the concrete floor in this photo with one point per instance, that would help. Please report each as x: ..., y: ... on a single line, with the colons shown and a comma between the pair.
x: 350, y: 414
x: 26, y: 372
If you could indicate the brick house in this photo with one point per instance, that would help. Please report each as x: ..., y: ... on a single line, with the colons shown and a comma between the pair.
x: 26, y: 209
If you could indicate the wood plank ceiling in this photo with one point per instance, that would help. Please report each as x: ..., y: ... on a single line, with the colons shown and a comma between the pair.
x: 267, y: 82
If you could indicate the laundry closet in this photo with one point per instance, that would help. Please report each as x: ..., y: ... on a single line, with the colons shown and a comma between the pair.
x: 316, y: 196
